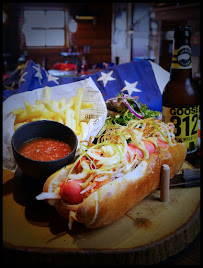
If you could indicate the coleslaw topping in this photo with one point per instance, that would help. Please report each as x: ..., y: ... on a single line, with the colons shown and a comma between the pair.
x: 107, y: 160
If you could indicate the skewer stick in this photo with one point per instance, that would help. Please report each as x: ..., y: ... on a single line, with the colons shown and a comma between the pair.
x: 165, y: 182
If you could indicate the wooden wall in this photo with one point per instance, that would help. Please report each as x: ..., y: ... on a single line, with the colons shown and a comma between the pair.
x: 97, y: 35
x: 185, y: 14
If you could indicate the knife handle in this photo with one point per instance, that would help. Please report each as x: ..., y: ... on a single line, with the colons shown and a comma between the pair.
x: 191, y: 177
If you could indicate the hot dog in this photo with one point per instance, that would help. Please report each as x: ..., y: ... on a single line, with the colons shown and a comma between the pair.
x: 111, y: 176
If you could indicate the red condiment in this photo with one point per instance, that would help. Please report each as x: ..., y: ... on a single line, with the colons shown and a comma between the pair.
x: 45, y: 149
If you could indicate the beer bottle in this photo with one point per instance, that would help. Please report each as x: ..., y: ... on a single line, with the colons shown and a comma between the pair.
x: 180, y: 98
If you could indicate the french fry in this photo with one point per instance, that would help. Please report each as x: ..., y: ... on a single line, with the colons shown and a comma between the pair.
x: 78, y: 131
x: 59, y: 119
x: 70, y: 104
x: 47, y: 92
x: 62, y: 103
x: 40, y: 118
x: 32, y: 111
x: 67, y: 113
x: 78, y: 103
x: 28, y: 107
x: 19, y: 125
x: 86, y: 105
x: 43, y: 111
x: 55, y: 103
x: 20, y: 118
x: 17, y: 111
x: 69, y: 118
x: 37, y: 102
x: 53, y: 109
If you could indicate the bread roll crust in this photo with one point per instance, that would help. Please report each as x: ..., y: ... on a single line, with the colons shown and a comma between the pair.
x: 174, y: 157
x: 114, y: 199
x: 117, y: 197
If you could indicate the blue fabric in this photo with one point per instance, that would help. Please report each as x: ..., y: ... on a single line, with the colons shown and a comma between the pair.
x: 134, y: 78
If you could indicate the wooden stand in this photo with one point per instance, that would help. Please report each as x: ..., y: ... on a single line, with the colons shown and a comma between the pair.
x: 165, y: 183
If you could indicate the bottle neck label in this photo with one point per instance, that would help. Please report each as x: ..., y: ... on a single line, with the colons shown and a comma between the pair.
x: 182, y: 58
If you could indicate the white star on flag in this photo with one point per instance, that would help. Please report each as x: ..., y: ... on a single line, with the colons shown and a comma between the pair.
x: 106, y: 77
x: 130, y: 87
x: 22, y: 79
x: 50, y: 77
x: 38, y: 73
x: 23, y: 67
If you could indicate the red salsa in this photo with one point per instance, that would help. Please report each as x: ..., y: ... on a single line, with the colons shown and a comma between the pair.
x: 45, y: 149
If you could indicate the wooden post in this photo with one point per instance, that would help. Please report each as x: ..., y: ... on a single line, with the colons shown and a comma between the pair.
x: 165, y: 182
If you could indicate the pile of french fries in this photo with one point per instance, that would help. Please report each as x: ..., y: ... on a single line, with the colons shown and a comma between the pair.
x: 67, y: 113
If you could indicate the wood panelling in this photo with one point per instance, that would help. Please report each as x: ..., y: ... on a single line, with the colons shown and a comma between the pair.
x: 96, y: 35
x: 176, y: 13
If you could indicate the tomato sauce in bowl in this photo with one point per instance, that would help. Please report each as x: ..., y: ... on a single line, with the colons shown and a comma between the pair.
x: 45, y: 149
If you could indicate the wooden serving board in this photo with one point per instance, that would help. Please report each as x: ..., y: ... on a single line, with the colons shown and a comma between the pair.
x: 147, y: 234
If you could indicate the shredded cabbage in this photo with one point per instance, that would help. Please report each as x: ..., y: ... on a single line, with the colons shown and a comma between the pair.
x: 106, y: 160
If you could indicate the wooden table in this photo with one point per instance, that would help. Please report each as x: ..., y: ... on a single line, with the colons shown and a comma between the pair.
x: 147, y: 234
x: 188, y: 256
x: 191, y: 254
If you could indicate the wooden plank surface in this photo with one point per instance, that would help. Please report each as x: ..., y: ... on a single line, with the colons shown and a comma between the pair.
x: 148, y: 233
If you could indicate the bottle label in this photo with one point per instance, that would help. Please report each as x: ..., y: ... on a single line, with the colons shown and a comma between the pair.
x: 182, y: 58
x: 186, y: 124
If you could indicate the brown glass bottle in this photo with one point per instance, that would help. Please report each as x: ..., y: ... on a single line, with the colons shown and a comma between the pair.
x: 180, y: 98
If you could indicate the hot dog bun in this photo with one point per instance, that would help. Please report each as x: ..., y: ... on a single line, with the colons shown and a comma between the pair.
x: 114, y: 175
x: 114, y: 199
x: 174, y: 157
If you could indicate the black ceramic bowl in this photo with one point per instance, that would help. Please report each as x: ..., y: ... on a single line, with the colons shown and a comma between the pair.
x: 42, y: 129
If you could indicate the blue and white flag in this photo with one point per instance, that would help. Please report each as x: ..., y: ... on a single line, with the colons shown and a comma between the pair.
x: 134, y: 78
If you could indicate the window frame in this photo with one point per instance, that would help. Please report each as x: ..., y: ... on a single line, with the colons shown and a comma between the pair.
x: 25, y: 47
